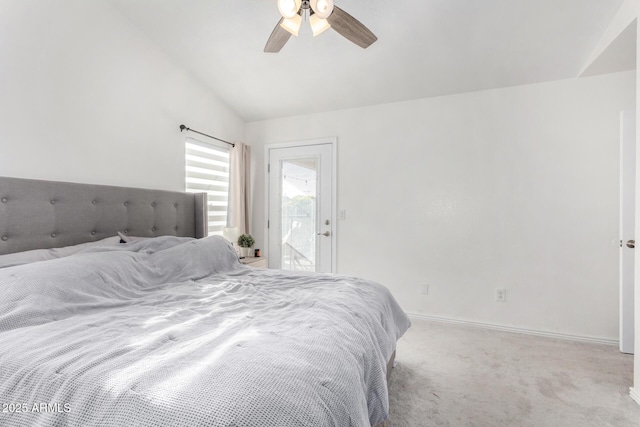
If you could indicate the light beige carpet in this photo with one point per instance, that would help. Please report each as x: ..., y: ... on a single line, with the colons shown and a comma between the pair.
x: 453, y: 375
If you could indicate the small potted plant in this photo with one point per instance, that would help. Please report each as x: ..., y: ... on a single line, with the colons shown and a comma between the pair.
x: 245, y: 241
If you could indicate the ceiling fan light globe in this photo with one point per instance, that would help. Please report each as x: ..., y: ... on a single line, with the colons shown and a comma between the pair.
x: 292, y: 25
x: 322, y: 8
x: 318, y: 25
x: 289, y: 8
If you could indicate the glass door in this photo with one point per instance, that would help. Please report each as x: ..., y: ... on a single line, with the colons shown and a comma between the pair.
x: 300, y: 208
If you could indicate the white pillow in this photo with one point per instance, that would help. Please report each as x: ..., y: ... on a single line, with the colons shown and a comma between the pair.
x: 36, y: 255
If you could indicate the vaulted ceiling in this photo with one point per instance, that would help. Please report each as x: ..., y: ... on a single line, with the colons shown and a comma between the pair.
x: 425, y: 48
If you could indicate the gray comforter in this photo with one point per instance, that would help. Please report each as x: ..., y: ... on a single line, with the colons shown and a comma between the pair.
x: 176, y: 332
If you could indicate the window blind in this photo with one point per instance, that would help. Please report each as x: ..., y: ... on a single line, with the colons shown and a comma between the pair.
x: 207, y: 171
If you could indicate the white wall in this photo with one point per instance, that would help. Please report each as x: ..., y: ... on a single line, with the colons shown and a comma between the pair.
x: 512, y: 188
x: 86, y: 97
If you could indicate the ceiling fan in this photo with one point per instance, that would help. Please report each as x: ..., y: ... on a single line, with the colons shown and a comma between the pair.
x: 322, y: 16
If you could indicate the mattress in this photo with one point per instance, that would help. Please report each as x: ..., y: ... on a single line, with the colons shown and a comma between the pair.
x: 176, y: 332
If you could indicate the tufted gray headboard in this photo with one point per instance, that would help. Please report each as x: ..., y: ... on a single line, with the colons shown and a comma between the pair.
x: 47, y: 214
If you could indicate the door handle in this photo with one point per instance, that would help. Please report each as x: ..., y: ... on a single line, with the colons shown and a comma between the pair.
x: 325, y: 234
x: 631, y: 244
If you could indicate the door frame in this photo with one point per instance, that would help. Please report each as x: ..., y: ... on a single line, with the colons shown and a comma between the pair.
x: 333, y: 141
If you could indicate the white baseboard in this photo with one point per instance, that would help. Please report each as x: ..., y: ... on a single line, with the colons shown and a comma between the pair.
x: 580, y: 338
x: 635, y: 394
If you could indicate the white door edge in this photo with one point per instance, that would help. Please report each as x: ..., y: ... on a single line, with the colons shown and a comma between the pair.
x: 627, y: 229
x: 333, y: 141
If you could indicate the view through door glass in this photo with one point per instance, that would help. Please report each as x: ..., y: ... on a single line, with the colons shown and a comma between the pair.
x: 299, y: 185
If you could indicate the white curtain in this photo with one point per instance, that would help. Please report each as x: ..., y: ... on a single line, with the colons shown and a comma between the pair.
x: 239, y: 203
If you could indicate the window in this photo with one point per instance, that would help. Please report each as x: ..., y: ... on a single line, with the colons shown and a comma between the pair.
x: 207, y: 171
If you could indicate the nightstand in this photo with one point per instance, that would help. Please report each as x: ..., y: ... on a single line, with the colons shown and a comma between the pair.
x: 255, y: 262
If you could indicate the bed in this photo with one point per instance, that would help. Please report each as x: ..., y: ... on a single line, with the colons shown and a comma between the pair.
x: 173, y: 330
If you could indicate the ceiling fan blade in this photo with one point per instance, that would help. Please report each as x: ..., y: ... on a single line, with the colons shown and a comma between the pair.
x: 350, y: 28
x: 278, y: 38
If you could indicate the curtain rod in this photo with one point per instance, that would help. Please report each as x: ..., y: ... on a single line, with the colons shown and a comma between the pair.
x: 183, y: 127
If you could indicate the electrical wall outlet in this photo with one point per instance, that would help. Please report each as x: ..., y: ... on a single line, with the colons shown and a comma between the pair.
x: 424, y: 289
x: 342, y: 214
x: 501, y: 295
